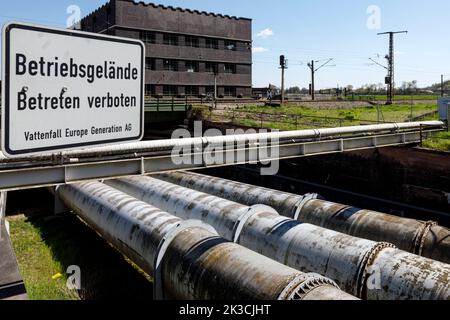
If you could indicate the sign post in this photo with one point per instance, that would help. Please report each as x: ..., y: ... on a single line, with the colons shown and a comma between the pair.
x: 65, y: 89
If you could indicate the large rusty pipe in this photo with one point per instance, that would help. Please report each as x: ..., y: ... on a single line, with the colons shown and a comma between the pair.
x: 422, y: 238
x: 196, y: 263
x: 355, y: 264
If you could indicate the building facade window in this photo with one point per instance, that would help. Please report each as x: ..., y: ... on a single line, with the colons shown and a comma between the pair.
x: 192, y: 66
x: 229, y: 91
x: 191, y: 91
x: 191, y: 41
x: 230, y: 45
x: 170, y: 39
x: 211, y: 67
x: 209, y: 90
x: 229, y: 68
x: 170, y: 90
x: 148, y: 37
x: 170, y: 65
x: 212, y: 44
x: 150, y: 90
x: 150, y: 64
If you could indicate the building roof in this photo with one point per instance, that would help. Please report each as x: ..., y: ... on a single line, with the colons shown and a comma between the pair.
x: 149, y: 4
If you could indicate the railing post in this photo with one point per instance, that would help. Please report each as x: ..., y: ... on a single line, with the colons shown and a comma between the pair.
x: 157, y: 104
x: 448, y: 118
x: 421, y: 135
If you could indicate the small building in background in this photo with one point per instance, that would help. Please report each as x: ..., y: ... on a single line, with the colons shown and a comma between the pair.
x: 184, y: 48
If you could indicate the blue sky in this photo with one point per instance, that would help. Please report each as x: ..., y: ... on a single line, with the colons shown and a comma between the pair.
x: 305, y: 30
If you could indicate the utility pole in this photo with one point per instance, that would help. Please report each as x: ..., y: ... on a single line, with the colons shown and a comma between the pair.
x: 313, y: 87
x: 216, y: 73
x: 283, y: 66
x: 313, y: 74
x: 390, y: 57
x: 442, y: 85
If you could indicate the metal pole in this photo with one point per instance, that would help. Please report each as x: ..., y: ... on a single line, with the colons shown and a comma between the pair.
x: 391, y: 68
x: 313, y: 86
x: 442, y: 85
x: 391, y: 59
x: 282, y: 83
x: 302, y: 246
x: 412, y: 106
x: 215, y: 89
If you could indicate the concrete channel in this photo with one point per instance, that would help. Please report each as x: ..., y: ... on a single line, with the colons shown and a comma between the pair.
x: 188, y: 259
x: 424, y: 238
x: 364, y: 268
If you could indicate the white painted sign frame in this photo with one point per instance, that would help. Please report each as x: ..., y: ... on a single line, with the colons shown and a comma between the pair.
x: 8, y: 121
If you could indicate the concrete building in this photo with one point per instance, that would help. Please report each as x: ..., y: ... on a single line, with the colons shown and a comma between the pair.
x: 184, y: 48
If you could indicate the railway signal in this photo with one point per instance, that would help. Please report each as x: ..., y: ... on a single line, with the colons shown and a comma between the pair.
x: 283, y: 66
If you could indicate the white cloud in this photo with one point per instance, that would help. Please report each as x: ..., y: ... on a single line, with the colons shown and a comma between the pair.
x: 259, y: 50
x: 265, y: 33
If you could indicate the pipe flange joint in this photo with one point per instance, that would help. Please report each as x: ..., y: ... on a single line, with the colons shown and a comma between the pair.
x: 367, y: 261
x: 158, y: 287
x: 303, y: 284
x: 301, y: 203
x: 240, y: 223
x: 419, y: 241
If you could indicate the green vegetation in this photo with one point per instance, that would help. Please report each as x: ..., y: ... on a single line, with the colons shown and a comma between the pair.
x: 38, y: 265
x: 48, y: 246
x: 391, y: 113
x: 298, y: 117
x: 439, y: 141
x: 290, y: 117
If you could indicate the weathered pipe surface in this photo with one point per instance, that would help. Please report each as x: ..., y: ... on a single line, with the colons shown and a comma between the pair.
x: 197, y: 264
x: 357, y: 265
x: 422, y: 238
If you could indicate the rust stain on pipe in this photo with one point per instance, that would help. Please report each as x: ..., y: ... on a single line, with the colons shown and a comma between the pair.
x: 306, y: 247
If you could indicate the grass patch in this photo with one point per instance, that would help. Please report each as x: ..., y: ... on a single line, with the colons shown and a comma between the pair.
x: 396, y: 98
x: 439, y: 141
x: 392, y: 113
x: 45, y: 247
x: 37, y: 264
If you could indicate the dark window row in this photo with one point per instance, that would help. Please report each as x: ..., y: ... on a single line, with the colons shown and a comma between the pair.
x: 171, y: 90
x: 189, y: 66
x: 193, y: 41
